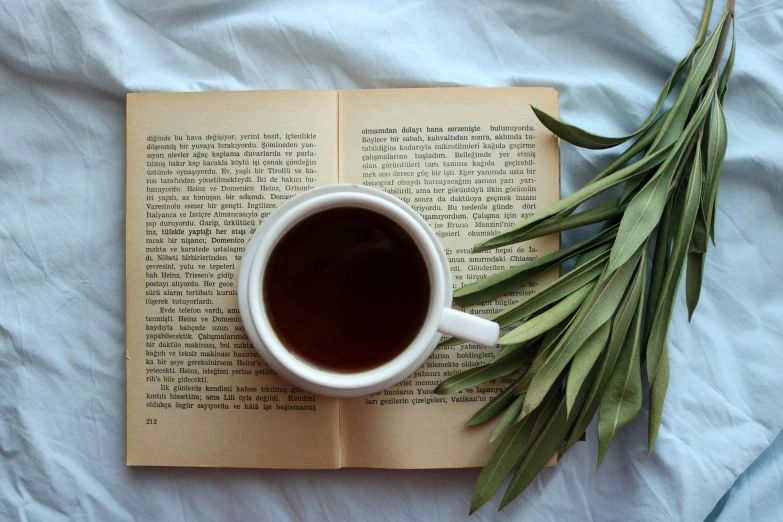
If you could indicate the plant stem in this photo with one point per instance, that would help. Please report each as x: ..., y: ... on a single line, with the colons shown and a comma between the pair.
x: 724, y: 35
x: 705, y: 21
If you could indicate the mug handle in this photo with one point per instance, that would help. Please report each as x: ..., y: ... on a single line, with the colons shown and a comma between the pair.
x: 469, y: 327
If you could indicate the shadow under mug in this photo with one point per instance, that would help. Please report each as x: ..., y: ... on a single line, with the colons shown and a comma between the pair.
x: 441, y: 318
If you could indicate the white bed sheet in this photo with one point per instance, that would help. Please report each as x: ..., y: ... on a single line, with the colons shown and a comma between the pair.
x: 64, y: 70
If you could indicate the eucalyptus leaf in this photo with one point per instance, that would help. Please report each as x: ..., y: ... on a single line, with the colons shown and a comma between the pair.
x: 544, y: 350
x: 630, y: 188
x: 495, y: 405
x: 583, y: 363
x: 622, y: 399
x: 594, y: 253
x: 657, y: 396
x: 641, y: 216
x: 508, y: 349
x: 660, y: 262
x: 602, y: 212
x: 645, y: 209
x: 588, y: 140
x: 665, y: 304
x: 506, y: 455
x: 678, y: 209
x: 554, y: 316
x: 505, y: 281
x: 587, y: 268
x: 723, y: 84
x: 508, y: 418
x: 717, y: 141
x: 693, y: 277
x: 700, y: 237
x: 598, y: 309
x: 556, y: 290
x: 546, y: 444
x: 480, y: 374
x: 571, y: 202
x: 678, y: 117
x: 716, y: 152
x: 684, y: 165
x: 641, y: 144
x: 620, y: 325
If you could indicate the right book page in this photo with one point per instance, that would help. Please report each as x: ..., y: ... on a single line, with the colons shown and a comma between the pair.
x: 472, y: 162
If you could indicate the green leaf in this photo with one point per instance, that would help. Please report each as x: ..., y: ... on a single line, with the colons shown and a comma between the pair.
x: 597, y: 310
x: 583, y: 363
x: 553, y: 292
x: 641, y: 144
x: 638, y: 146
x: 542, y: 323
x: 508, y: 349
x: 508, y: 418
x: 587, y: 268
x: 672, y: 129
x: 572, y: 201
x: 594, y: 253
x: 678, y: 207
x: 545, y: 445
x: 700, y: 234
x: 495, y: 405
x: 715, y: 150
x: 630, y: 188
x: 622, y: 399
x: 660, y: 261
x: 627, y: 309
x: 544, y: 350
x: 505, y: 281
x: 657, y: 396
x: 684, y: 166
x: 723, y: 84
x: 480, y: 374
x: 644, y: 211
x: 620, y: 325
x: 502, y: 461
x: 602, y: 212
x: 665, y: 304
x: 693, y: 276
x: 715, y: 154
x: 588, y: 140
x: 641, y: 217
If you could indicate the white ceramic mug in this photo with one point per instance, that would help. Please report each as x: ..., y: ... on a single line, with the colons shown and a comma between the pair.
x: 441, y: 318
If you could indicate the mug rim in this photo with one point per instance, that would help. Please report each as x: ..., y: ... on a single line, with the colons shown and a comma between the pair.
x: 306, y: 373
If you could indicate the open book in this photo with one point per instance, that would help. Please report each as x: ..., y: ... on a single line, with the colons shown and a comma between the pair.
x: 205, y: 169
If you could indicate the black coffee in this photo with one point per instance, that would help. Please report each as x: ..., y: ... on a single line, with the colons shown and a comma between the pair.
x: 346, y: 289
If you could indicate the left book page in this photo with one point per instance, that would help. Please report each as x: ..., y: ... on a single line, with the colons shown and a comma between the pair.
x: 203, y: 171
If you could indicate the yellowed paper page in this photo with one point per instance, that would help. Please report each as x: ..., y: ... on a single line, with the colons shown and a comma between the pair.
x: 204, y: 170
x: 472, y: 162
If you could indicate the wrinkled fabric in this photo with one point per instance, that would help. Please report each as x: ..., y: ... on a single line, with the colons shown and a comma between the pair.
x: 758, y: 492
x: 65, y: 68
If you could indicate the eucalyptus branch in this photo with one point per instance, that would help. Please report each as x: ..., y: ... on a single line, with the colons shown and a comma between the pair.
x: 579, y: 343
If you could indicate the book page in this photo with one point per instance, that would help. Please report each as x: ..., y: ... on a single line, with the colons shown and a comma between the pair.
x: 472, y: 162
x: 204, y: 170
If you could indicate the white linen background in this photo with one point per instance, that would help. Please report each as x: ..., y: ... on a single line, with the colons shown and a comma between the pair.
x: 65, y: 68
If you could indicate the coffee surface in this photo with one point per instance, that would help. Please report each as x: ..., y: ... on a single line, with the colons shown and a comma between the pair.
x: 346, y: 289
